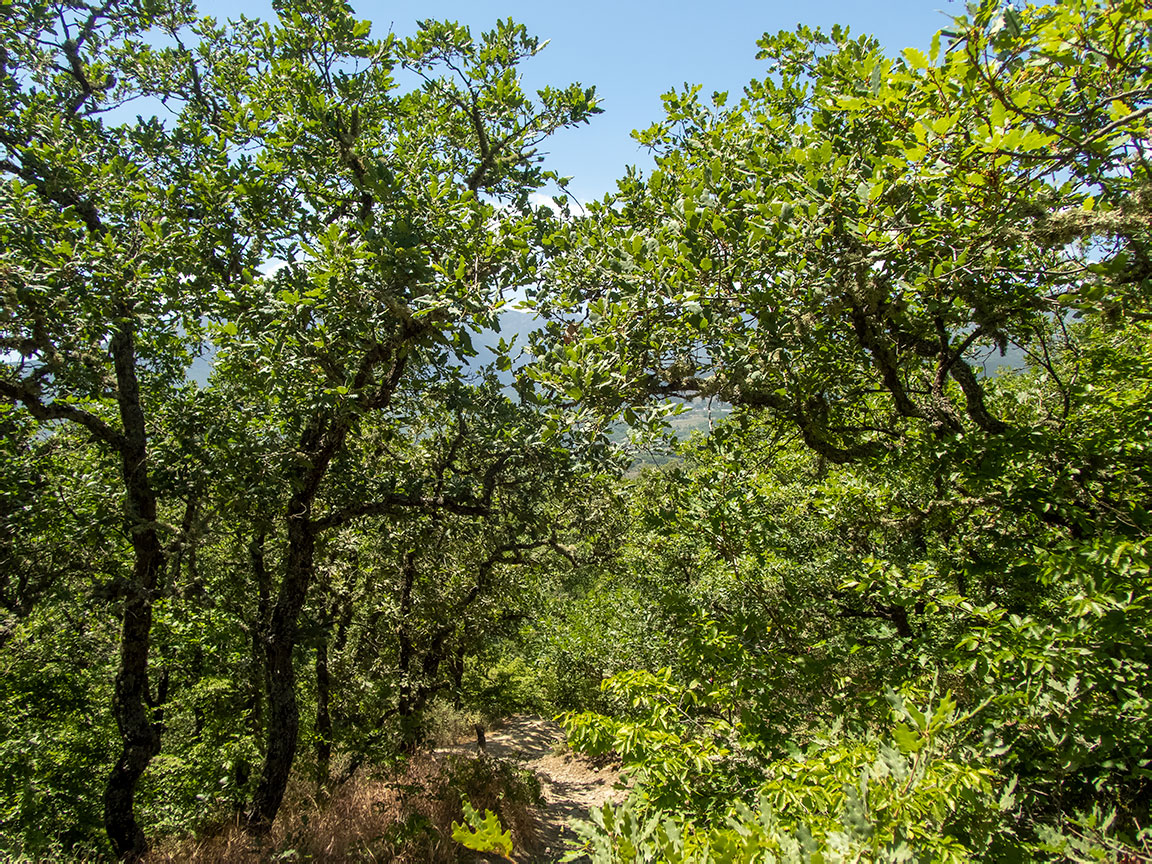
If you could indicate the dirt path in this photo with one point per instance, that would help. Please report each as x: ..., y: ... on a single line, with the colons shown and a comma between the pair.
x: 571, y: 784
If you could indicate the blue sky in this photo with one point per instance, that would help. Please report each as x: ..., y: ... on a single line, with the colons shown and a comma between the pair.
x: 634, y: 51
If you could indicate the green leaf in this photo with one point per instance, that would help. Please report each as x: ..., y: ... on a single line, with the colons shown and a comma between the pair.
x: 997, y: 114
x: 916, y: 58
x: 482, y: 834
x: 907, y: 740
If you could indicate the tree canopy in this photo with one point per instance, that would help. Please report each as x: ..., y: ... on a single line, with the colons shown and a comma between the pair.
x: 848, y: 243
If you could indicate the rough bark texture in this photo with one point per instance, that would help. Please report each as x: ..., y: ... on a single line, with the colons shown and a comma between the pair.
x: 139, y: 734
x: 323, y: 717
x: 259, y: 682
x: 283, y: 713
x: 457, y: 672
x: 407, y: 651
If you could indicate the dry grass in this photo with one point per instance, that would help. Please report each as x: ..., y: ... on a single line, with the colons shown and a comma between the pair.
x: 446, y: 724
x: 403, y: 817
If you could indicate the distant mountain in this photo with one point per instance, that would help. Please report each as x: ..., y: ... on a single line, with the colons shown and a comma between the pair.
x: 514, y: 325
x: 518, y: 326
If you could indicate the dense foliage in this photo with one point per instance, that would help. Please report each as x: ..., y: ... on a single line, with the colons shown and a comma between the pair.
x: 846, y: 256
x: 332, y: 242
x: 265, y: 514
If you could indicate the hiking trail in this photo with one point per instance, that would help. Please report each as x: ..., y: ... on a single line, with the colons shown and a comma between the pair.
x: 572, y: 784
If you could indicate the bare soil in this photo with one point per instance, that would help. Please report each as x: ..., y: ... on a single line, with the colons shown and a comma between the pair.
x: 572, y: 784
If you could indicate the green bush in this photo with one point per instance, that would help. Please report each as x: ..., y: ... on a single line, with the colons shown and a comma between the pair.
x: 509, y: 686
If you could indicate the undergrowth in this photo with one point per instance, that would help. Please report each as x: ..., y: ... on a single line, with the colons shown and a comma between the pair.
x: 404, y: 815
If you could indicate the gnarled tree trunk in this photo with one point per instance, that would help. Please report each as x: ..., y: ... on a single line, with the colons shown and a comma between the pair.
x: 283, y: 719
x: 139, y: 732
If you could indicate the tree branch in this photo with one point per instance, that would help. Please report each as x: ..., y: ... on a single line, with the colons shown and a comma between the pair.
x: 46, y: 411
x: 393, y: 503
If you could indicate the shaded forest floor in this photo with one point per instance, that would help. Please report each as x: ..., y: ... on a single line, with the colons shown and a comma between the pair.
x: 405, y: 816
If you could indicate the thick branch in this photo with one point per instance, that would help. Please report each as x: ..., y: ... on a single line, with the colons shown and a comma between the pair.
x: 885, y: 361
x: 974, y: 398
x: 393, y: 503
x: 814, y: 435
x: 58, y: 411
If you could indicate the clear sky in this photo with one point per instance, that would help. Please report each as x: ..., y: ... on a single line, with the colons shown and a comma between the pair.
x: 634, y: 51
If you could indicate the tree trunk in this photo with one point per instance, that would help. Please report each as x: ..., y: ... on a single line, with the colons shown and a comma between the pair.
x: 140, y: 739
x: 410, y: 731
x: 139, y: 734
x: 320, y: 441
x: 457, y: 667
x: 259, y: 681
x: 283, y: 720
x: 323, y: 718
